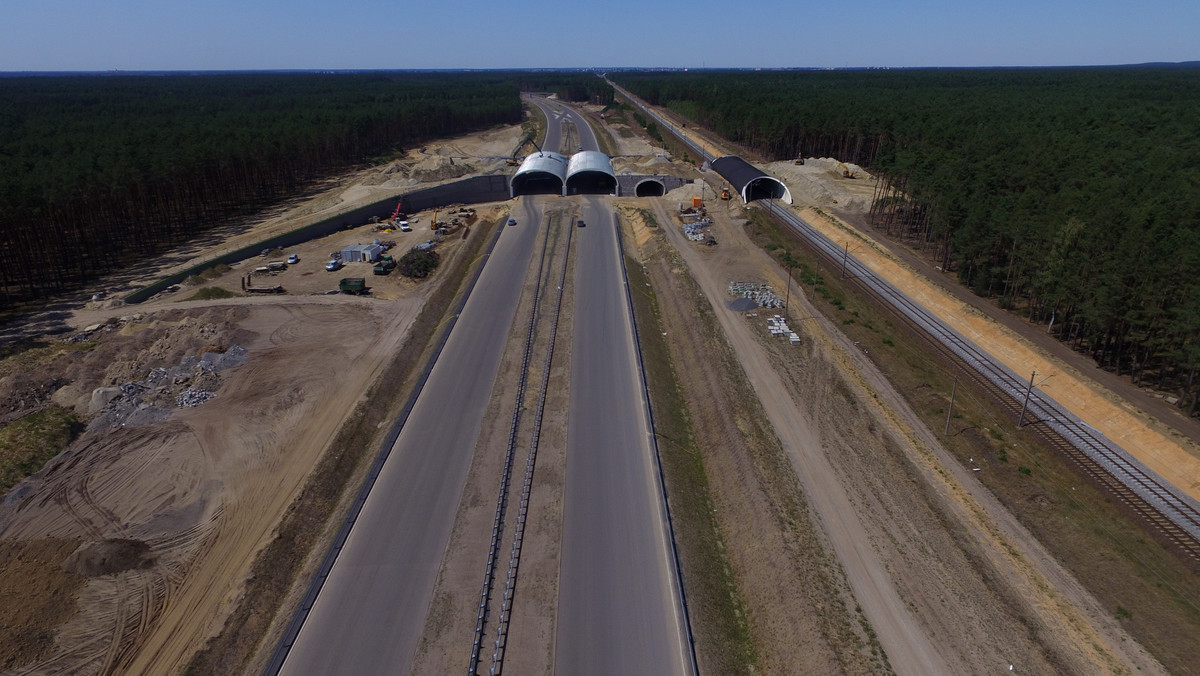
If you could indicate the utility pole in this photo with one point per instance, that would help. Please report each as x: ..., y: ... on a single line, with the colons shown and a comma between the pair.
x: 1021, y: 420
x: 789, y: 262
x: 953, y: 391
x: 845, y: 255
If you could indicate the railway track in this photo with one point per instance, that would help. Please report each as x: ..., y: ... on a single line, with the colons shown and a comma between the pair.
x: 502, y: 501
x: 1169, y: 512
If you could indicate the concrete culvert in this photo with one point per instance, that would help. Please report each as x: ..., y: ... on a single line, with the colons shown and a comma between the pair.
x: 650, y: 188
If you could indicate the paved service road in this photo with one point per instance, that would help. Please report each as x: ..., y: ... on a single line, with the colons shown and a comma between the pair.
x: 371, y: 611
x: 617, y: 611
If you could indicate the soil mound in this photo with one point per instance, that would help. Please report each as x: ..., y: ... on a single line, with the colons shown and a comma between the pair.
x: 109, y: 557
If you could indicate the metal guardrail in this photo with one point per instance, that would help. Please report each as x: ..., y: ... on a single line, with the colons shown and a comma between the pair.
x: 489, y: 574
x: 514, y: 559
x: 662, y: 486
x: 275, y: 664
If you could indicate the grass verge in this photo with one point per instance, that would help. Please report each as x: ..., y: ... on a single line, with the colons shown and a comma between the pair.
x: 715, y: 609
x: 1153, y: 594
x: 662, y: 137
x: 278, y: 566
x: 28, y: 442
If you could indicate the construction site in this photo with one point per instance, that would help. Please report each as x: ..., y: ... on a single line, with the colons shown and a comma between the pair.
x: 228, y: 418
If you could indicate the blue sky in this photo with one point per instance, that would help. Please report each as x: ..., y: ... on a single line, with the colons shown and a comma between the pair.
x: 304, y: 34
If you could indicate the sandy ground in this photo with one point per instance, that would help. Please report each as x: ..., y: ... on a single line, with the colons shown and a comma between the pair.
x: 431, y: 165
x: 895, y: 507
x: 945, y: 576
x: 1172, y: 456
x: 168, y: 517
x: 205, y: 488
x: 816, y: 188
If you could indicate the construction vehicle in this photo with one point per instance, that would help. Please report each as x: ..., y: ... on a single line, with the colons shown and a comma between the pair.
x: 725, y: 194
x: 799, y: 161
x: 353, y: 285
x: 513, y: 161
x: 846, y: 173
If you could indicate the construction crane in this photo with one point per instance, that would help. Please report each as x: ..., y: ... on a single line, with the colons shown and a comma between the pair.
x: 845, y: 170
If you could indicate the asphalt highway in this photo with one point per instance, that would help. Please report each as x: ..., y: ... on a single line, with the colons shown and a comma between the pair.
x: 371, y: 611
x: 556, y: 113
x: 617, y: 610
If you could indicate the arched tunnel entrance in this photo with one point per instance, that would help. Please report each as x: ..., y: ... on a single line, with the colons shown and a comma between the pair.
x: 749, y: 181
x: 766, y: 188
x: 591, y: 183
x: 536, y: 183
x: 543, y: 173
x: 590, y: 173
x: 650, y: 188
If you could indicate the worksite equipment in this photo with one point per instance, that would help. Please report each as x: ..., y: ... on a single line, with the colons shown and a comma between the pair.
x: 353, y: 285
x: 513, y: 161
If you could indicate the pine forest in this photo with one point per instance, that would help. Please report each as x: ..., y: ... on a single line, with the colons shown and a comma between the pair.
x: 1069, y: 195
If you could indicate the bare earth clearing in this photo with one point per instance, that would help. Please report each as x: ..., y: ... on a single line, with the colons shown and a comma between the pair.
x: 1172, y: 455
x: 150, y: 530
x: 982, y: 590
x: 943, y: 575
x: 159, y: 523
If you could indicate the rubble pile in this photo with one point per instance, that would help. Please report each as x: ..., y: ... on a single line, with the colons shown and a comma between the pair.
x: 112, y: 324
x: 192, y: 397
x: 191, y: 383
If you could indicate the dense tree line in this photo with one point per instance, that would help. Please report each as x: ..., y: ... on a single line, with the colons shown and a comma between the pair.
x: 571, y: 86
x: 97, y: 172
x: 1070, y: 195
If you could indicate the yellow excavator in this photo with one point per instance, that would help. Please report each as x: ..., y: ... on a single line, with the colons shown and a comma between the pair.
x: 725, y: 194
x: 513, y: 161
x: 845, y: 170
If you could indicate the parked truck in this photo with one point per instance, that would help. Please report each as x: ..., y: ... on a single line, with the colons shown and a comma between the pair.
x: 353, y: 285
x: 385, y: 265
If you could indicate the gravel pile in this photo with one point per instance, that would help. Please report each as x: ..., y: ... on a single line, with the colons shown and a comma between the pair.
x: 189, y: 398
x: 148, y: 401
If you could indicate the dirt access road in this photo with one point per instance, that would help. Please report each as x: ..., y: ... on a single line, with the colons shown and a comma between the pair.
x: 943, y: 572
x: 895, y: 507
x: 203, y: 490
x: 134, y: 544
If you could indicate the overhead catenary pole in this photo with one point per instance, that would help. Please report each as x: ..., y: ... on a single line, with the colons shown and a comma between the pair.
x: 789, y: 262
x: 953, y: 391
x: 1028, y: 391
x: 845, y: 255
